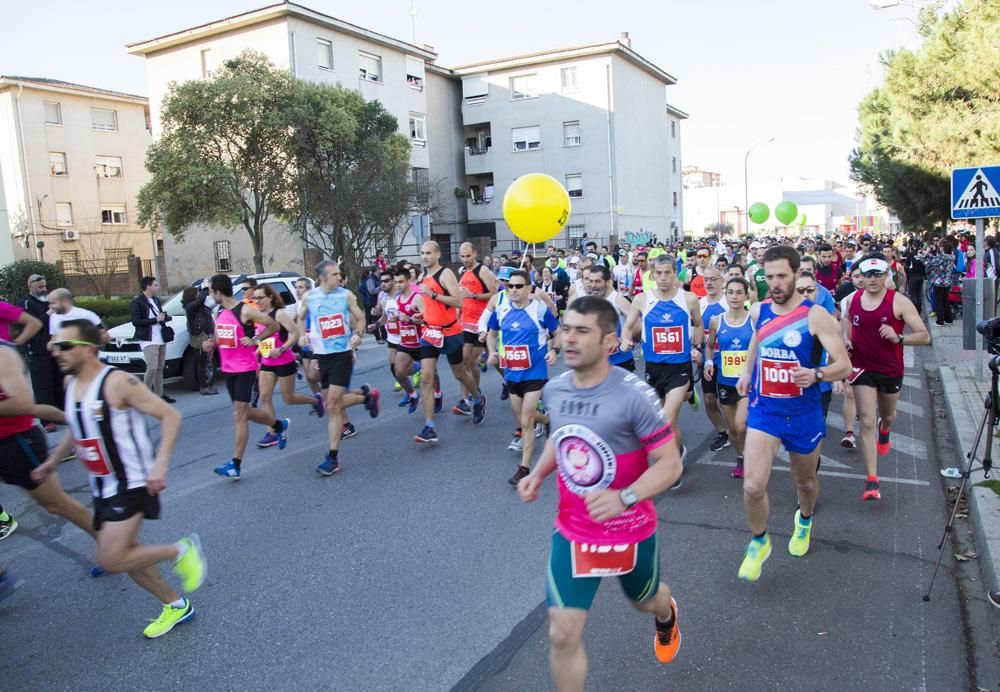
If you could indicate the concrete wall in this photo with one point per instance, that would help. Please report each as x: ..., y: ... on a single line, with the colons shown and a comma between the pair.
x: 446, y: 148
x: 14, y: 204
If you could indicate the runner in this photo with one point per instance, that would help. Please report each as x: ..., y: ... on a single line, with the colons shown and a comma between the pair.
x: 477, y: 285
x: 381, y: 324
x: 607, y: 428
x: 277, y: 361
x: 755, y: 269
x: 729, y: 337
x: 335, y: 327
x: 529, y: 331
x: 237, y: 344
x: 599, y: 284
x: 671, y: 328
x: 442, y: 335
x: 401, y: 310
x: 579, y: 285
x: 850, y: 409
x: 875, y: 338
x: 784, y: 408
x: 711, y: 304
x: 105, y: 410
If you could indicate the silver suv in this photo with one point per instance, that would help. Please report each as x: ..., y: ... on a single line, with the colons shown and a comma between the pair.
x: 124, y: 352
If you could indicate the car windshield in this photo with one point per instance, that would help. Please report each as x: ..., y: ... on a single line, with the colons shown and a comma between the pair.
x: 175, y: 306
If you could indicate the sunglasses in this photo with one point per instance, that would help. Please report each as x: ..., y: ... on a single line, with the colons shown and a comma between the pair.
x: 804, y: 290
x: 69, y: 344
x: 701, y: 256
x: 873, y: 275
x: 510, y: 285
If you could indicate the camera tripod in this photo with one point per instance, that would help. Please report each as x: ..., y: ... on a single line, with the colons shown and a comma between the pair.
x: 991, y: 416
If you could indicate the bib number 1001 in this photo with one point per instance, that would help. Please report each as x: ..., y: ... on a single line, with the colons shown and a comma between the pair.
x: 776, y: 378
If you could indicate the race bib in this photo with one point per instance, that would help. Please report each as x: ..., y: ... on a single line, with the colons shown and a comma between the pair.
x: 265, y: 347
x: 225, y: 335
x: 776, y: 378
x: 90, y: 451
x: 733, y: 362
x: 517, y: 357
x: 471, y: 327
x: 591, y: 560
x: 392, y: 328
x: 855, y: 374
x: 408, y: 335
x: 434, y: 336
x: 668, y: 340
x: 331, y: 326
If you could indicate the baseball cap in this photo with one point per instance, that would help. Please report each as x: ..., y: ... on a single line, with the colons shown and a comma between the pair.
x: 504, y: 273
x: 574, y: 260
x: 592, y: 255
x: 756, y: 244
x: 874, y: 264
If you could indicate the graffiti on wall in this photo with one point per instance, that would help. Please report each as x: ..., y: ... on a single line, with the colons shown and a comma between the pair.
x: 638, y: 238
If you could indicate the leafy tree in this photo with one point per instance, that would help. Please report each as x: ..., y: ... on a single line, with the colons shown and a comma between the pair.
x: 354, y: 184
x: 224, y: 157
x: 14, y: 277
x: 718, y: 228
x: 936, y: 110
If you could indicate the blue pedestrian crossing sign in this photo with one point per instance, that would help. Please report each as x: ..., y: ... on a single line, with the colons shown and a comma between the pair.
x: 974, y: 192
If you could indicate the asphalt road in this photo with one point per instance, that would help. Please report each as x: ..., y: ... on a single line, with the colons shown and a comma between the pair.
x: 417, y: 568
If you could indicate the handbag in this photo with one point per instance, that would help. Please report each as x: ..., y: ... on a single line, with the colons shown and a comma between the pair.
x: 166, y: 333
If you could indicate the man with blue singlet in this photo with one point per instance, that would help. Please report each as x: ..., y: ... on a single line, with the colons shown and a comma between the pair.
x: 598, y: 283
x: 782, y: 382
x: 711, y: 304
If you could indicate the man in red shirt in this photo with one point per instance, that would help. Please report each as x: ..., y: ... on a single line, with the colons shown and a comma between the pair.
x: 829, y: 270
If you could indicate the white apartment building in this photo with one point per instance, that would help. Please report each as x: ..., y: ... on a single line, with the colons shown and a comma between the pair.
x: 317, y: 47
x: 596, y: 118
x: 72, y: 162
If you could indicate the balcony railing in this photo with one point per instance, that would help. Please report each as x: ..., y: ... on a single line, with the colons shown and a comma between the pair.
x: 477, y: 150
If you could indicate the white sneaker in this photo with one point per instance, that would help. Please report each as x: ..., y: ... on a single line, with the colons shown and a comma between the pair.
x: 515, y: 444
x: 539, y: 430
x: 848, y: 441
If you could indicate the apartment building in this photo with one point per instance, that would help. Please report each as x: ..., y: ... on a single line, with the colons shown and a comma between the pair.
x: 72, y: 162
x: 596, y: 118
x: 320, y: 48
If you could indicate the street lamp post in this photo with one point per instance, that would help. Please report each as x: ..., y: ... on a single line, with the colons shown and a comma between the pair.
x: 746, y: 181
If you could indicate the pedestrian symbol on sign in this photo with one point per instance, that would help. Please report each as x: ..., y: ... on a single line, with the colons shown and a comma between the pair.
x: 979, y: 194
x: 974, y: 192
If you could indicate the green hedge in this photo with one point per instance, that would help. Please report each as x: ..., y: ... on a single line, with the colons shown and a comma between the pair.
x: 14, y: 278
x: 114, y: 311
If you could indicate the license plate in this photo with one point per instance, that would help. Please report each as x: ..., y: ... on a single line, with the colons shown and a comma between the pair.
x: 117, y: 358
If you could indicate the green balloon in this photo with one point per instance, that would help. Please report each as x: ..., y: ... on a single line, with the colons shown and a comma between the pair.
x: 759, y: 212
x: 786, y: 212
x: 801, y: 221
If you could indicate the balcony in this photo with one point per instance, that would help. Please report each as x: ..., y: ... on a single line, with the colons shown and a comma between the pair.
x: 479, y: 193
x: 478, y: 144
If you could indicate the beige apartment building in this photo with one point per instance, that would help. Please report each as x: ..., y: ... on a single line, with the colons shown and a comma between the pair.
x: 72, y: 162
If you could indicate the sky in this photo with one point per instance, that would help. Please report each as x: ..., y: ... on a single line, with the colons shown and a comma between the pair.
x: 746, y: 71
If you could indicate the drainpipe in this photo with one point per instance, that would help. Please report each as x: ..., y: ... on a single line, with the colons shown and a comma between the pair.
x: 24, y: 172
x: 611, y: 168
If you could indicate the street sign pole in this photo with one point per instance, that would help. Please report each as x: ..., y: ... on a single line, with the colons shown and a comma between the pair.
x: 980, y: 276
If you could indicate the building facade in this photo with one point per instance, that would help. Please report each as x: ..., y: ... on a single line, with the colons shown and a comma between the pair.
x: 72, y: 162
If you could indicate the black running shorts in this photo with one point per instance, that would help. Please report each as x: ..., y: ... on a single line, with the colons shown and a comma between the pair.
x: 126, y: 505
x: 20, y: 454
x: 335, y: 369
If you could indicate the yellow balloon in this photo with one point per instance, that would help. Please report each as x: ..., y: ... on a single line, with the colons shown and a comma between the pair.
x: 536, y: 207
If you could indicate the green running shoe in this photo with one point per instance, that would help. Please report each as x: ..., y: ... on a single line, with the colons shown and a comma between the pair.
x: 416, y: 379
x: 693, y: 399
x: 169, y: 618
x: 191, y: 566
x: 798, y: 544
x: 754, y: 558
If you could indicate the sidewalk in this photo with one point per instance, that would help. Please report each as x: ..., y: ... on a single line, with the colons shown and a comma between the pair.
x: 964, y: 398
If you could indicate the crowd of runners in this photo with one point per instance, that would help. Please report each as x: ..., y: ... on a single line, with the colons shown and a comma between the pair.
x: 759, y: 334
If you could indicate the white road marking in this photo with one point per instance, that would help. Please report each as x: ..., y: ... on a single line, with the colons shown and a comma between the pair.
x: 834, y: 474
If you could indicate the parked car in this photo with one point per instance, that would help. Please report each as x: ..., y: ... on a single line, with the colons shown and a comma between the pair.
x: 123, y: 351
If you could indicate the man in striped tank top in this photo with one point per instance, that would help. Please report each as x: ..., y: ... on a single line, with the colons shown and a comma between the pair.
x: 105, y: 410
x: 782, y: 380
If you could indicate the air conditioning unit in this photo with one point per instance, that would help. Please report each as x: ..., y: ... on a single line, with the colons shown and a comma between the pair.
x: 71, y: 235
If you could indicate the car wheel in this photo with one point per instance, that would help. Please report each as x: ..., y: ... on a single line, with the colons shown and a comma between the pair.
x: 187, y: 370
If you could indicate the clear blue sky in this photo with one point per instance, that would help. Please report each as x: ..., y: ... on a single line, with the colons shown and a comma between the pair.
x: 746, y: 70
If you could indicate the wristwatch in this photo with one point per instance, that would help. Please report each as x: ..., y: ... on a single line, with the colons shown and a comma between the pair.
x: 901, y: 338
x: 819, y: 374
x: 629, y: 498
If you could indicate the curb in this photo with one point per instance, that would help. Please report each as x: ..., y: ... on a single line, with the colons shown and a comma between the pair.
x: 984, y: 504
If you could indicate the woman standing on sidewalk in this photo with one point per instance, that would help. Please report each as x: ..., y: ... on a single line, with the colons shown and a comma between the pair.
x: 200, y: 326
x: 939, y: 269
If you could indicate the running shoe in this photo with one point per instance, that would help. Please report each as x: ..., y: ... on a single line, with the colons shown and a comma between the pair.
x: 539, y: 430
x: 397, y: 387
x: 871, y: 491
x: 738, y: 469
x: 348, y: 431
x: 992, y: 596
x: 405, y: 401
x: 169, y: 618
x: 693, y: 399
x: 371, y: 400
x: 96, y: 572
x: 319, y: 408
x: 438, y: 402
x: 427, y: 435
x: 9, y: 583
x: 667, y: 642
x: 848, y: 441
x: 191, y: 567
x: 798, y: 544
x: 515, y: 442
x: 329, y: 466
x: 416, y: 378
x: 414, y: 401
x: 680, y: 480
x: 479, y: 410
x: 754, y: 558
x: 483, y: 366
x: 269, y: 440
x: 720, y: 442
x: 7, y: 527
x: 283, y: 433
x: 462, y: 408
x: 518, y: 475
x: 504, y: 392
x: 228, y: 470
x: 883, y: 445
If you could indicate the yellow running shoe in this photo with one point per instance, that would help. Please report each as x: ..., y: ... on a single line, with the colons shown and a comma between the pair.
x: 191, y: 566
x: 798, y: 544
x: 756, y: 554
x: 169, y: 618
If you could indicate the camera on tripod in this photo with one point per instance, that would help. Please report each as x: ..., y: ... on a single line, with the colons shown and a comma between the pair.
x: 990, y: 329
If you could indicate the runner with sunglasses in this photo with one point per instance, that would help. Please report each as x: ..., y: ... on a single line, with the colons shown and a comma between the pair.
x: 875, y: 338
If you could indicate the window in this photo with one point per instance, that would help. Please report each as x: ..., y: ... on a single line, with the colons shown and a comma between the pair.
x: 70, y: 261
x: 574, y: 184
x: 53, y: 113
x: 673, y: 129
x: 207, y: 64
x: 673, y: 164
x: 371, y: 67
x: 222, y: 263
x: 418, y: 125
x: 522, y: 87
x: 568, y: 75
x: 675, y: 199
x: 116, y: 258
x: 109, y: 167
x: 475, y: 89
x: 103, y: 119
x: 113, y: 214
x: 64, y: 214
x: 571, y: 134
x: 576, y: 230
x: 527, y: 138
x: 415, y: 73
x: 57, y: 163
x: 324, y: 54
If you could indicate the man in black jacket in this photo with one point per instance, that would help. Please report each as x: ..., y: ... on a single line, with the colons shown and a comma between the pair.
x: 46, y: 380
x: 149, y: 320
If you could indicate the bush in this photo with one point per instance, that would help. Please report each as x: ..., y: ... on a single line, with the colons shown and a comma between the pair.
x: 14, y: 278
x: 113, y: 311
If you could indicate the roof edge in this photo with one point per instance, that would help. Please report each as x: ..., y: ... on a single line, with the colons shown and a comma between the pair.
x: 59, y: 86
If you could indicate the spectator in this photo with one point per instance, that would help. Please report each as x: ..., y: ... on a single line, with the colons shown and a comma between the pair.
x: 380, y: 262
x: 149, y: 321
x: 61, y: 309
x: 915, y: 273
x: 939, y: 269
x: 200, y: 327
x: 46, y: 380
x: 556, y: 289
x: 369, y: 287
